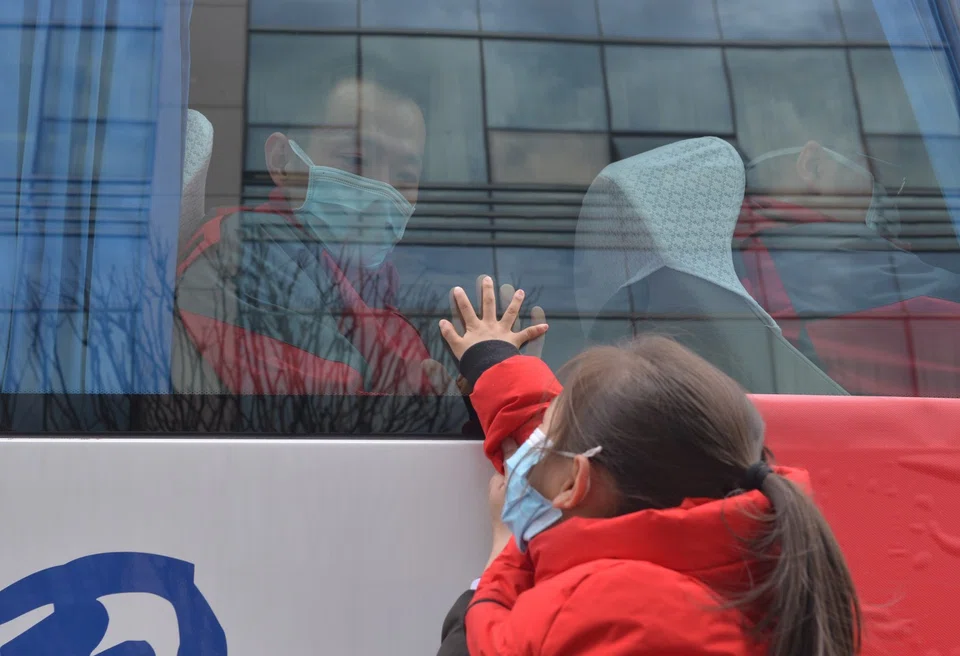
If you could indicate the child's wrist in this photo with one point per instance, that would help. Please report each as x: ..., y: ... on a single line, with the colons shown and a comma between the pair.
x: 482, y: 356
x: 501, y: 538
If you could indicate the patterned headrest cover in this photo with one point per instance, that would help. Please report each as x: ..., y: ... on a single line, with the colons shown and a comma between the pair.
x: 675, y: 206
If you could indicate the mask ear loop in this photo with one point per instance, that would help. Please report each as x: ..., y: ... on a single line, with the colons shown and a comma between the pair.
x: 589, y: 453
x: 298, y: 151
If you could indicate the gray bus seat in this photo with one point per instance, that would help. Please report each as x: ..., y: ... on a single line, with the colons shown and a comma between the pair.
x: 654, y: 240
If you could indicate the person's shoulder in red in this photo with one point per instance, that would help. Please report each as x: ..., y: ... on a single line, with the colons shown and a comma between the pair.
x: 219, y: 228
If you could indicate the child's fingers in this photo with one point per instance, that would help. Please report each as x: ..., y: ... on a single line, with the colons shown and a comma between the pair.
x: 455, y: 317
x: 513, y: 310
x: 470, y: 318
x: 529, y: 334
x: 489, y: 304
x: 535, y: 346
x: 449, y: 334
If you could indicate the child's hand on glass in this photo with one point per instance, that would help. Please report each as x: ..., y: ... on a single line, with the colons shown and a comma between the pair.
x: 487, y: 327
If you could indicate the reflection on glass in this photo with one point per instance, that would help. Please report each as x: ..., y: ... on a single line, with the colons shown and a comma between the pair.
x: 547, y: 157
x: 912, y: 157
x: 74, y: 291
x: 443, y: 77
x: 545, y: 274
x: 303, y: 13
x: 428, y: 273
x: 884, y: 105
x: 655, y: 19
x: 761, y: 20
x: 783, y: 98
x: 539, y: 16
x: 291, y: 76
x: 624, y: 147
x: 915, y: 22
x: 535, y: 217
x: 544, y: 86
x: 663, y: 89
x: 567, y: 340
x: 449, y: 14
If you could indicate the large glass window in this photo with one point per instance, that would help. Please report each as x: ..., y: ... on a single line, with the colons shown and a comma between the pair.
x: 248, y: 217
x: 551, y: 157
x: 800, y: 87
x: 544, y: 86
x: 885, y: 107
x: 653, y: 19
x: 814, y: 20
x: 554, y: 17
x: 298, y: 14
x: 453, y: 14
x: 443, y: 77
x: 645, y: 97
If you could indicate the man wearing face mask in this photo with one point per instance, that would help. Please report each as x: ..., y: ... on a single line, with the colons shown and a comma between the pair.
x: 830, y: 269
x: 297, y: 296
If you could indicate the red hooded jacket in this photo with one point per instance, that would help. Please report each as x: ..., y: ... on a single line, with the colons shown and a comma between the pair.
x: 644, y: 583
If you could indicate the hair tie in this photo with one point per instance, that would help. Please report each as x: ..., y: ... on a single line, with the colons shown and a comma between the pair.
x: 755, y: 475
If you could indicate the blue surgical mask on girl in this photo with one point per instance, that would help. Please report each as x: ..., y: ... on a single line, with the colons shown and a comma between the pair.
x: 882, y: 216
x: 364, y: 217
x: 526, y: 512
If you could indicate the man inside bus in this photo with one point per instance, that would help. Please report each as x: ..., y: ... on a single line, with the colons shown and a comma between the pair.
x: 296, y: 296
x: 832, y: 270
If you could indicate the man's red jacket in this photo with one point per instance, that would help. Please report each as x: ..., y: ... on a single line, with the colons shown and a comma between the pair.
x: 874, y: 316
x: 271, y: 311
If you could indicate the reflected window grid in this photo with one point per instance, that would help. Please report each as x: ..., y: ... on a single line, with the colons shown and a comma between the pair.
x: 620, y: 136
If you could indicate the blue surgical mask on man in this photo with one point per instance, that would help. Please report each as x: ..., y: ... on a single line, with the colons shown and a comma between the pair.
x: 526, y: 512
x: 365, y: 218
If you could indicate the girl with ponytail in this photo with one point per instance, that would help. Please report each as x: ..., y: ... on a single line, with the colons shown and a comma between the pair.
x: 640, y: 513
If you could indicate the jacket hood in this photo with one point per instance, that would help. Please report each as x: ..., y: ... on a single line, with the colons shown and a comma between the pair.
x: 700, y: 538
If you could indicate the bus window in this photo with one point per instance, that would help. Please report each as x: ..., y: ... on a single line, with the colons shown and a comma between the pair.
x: 247, y: 218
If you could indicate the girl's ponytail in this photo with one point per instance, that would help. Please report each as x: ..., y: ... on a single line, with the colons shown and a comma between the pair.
x: 812, y: 604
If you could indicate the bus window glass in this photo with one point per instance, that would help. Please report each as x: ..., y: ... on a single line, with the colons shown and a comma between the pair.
x: 247, y: 217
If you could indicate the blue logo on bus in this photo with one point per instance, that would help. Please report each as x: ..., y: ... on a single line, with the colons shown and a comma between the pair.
x: 79, y: 621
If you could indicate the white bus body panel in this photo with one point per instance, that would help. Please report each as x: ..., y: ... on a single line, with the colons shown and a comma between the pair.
x: 340, y: 547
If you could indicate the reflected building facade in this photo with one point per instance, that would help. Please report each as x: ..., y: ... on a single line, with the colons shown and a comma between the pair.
x: 526, y: 101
